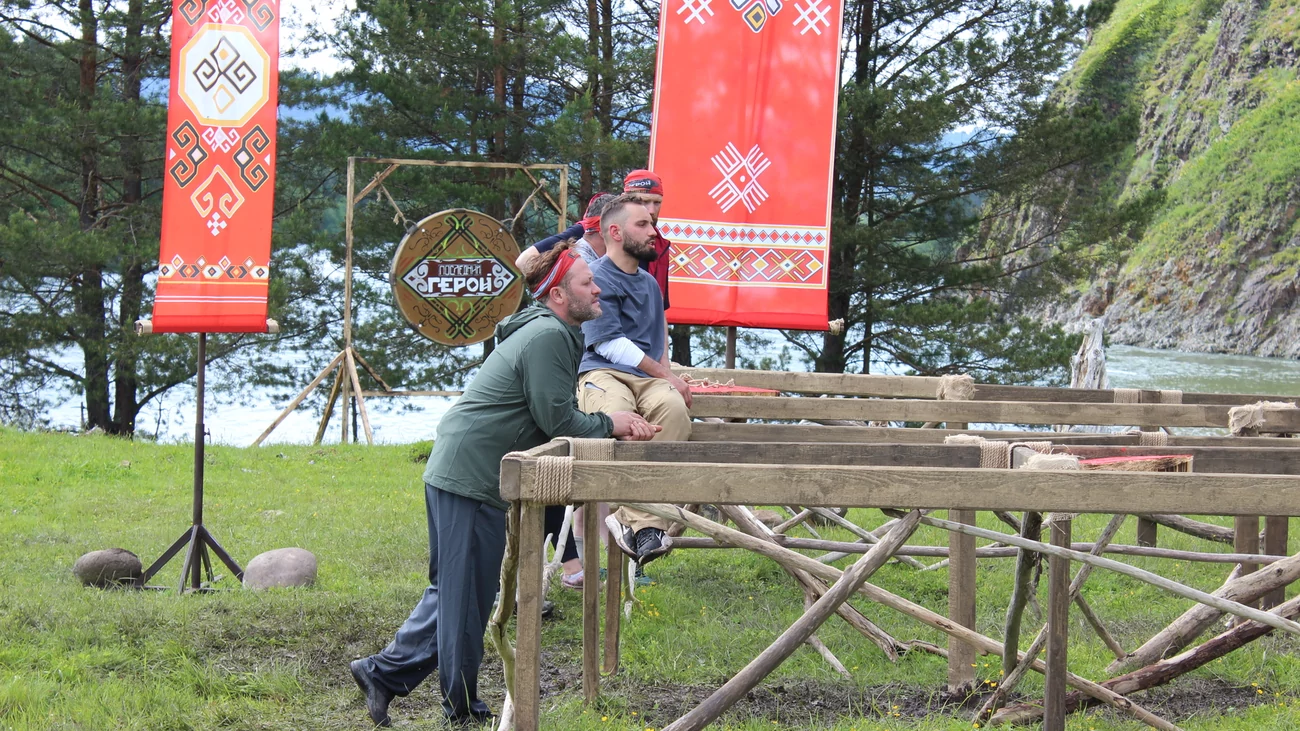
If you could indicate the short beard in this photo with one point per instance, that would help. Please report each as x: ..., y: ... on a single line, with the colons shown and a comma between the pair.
x: 642, y: 251
x: 580, y: 312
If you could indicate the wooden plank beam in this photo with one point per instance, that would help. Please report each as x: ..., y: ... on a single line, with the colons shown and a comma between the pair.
x: 922, y: 487
x: 916, y: 455
x: 925, y: 387
x: 1219, y: 460
x: 997, y: 412
x: 704, y: 431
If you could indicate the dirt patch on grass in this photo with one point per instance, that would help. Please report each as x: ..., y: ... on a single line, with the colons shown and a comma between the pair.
x: 813, y: 704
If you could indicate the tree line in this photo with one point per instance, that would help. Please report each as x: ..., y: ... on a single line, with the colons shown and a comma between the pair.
x: 949, y: 140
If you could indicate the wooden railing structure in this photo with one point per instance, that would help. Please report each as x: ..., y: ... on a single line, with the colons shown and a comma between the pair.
x: 910, y: 472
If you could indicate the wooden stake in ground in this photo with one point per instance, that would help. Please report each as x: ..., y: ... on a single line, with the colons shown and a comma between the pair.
x: 1011, y: 678
x: 785, y: 645
x: 501, y: 616
x: 1026, y: 561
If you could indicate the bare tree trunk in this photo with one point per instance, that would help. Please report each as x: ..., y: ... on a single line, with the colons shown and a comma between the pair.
x: 88, y: 284
x: 131, y: 297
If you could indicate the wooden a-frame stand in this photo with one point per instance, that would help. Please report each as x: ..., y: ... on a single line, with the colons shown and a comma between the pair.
x: 344, y: 364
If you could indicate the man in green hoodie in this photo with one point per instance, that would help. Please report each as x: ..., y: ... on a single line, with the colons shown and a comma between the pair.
x: 523, y: 396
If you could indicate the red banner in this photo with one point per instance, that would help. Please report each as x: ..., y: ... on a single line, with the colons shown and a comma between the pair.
x: 219, y: 181
x: 744, y: 138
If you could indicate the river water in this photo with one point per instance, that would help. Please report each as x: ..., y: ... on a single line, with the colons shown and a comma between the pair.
x: 405, y: 420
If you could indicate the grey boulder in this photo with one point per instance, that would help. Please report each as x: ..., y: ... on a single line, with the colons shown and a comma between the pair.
x: 109, y: 567
x: 280, y: 568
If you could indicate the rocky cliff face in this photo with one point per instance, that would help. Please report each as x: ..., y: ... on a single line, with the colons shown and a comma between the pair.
x: 1216, y: 85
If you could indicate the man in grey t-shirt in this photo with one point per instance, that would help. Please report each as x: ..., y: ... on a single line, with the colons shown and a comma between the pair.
x: 625, y: 365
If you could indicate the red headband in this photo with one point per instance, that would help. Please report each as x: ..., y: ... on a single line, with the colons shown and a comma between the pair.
x: 643, y: 181
x: 590, y: 225
x: 563, y: 263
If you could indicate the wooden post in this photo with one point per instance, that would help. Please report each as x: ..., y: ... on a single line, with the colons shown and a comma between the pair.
x: 528, y: 630
x: 613, y: 600
x: 1246, y: 540
x: 591, y: 602
x: 730, y: 358
x: 358, y: 399
x: 961, y: 603
x: 1275, y: 539
x: 564, y: 200
x: 329, y: 407
x: 1146, y: 531
x: 1058, y: 623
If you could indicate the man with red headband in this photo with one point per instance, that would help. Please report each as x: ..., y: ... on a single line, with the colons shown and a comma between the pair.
x: 649, y: 188
x: 587, y: 231
x: 522, y: 396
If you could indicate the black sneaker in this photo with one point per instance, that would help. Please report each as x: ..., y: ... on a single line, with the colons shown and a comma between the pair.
x: 651, y: 543
x: 622, y: 537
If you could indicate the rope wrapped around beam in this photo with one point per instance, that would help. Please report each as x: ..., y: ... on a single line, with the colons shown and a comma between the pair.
x: 960, y: 387
x: 1127, y: 395
x: 554, y: 481
x: 1248, y: 420
x: 590, y: 450
x: 993, y: 455
x: 1153, y: 439
x: 1053, y: 462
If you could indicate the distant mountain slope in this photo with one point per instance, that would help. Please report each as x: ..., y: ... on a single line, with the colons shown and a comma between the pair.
x: 1216, y: 85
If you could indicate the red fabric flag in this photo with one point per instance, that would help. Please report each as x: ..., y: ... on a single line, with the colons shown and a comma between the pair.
x: 744, y: 138
x: 219, y: 186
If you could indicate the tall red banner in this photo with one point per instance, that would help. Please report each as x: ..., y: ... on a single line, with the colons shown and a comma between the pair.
x: 219, y: 182
x: 744, y: 138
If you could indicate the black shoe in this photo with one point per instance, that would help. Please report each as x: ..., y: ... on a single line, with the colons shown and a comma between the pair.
x: 651, y: 543
x: 622, y: 537
x: 471, y: 719
x: 377, y: 696
x: 548, y: 609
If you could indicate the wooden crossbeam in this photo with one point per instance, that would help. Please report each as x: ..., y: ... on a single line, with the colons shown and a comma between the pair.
x: 996, y: 412
x: 926, y: 387
x: 919, y: 487
x: 804, y: 433
x: 935, y: 455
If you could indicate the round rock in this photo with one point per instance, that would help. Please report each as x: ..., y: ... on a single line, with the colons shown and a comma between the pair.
x: 109, y: 567
x: 281, y: 567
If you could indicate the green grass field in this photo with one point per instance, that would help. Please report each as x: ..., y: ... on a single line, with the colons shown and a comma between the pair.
x: 72, y: 657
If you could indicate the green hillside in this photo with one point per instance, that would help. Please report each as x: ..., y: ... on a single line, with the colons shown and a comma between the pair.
x: 1214, y: 87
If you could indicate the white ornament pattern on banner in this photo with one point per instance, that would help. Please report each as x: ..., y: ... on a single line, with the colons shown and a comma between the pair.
x: 811, y: 16
x: 696, y: 8
x: 220, y: 140
x: 739, y: 178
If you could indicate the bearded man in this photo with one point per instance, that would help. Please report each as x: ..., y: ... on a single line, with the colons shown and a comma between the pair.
x: 522, y: 396
x: 625, y: 366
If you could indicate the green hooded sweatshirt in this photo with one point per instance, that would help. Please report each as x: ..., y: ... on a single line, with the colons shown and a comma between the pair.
x: 525, y: 394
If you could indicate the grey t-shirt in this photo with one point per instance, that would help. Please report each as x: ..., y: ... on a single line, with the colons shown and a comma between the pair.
x: 631, y: 307
x: 587, y: 253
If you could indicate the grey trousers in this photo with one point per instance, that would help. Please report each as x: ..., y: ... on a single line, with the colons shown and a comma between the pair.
x: 467, y: 540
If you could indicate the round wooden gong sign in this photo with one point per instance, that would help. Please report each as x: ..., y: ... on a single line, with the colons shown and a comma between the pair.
x: 454, y: 276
